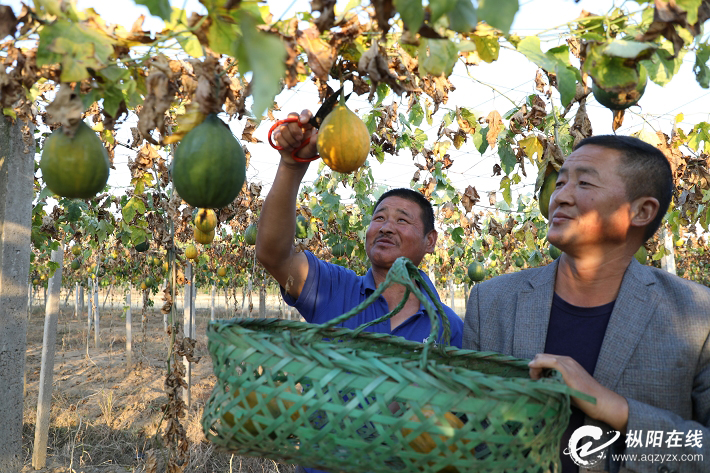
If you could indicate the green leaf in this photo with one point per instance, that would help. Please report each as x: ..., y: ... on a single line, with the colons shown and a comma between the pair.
x: 702, y: 72
x: 627, y: 49
x: 382, y: 91
x: 439, y: 8
x: 44, y: 193
x: 463, y: 18
x: 505, y: 187
x: 700, y: 133
x: 498, y: 13
x: 609, y: 72
x: 662, y: 66
x: 223, y: 37
x: 73, y: 212
x: 466, y: 119
x: 265, y: 55
x: 457, y: 234
x: 560, y: 54
x: 371, y: 121
x: 690, y: 6
x: 488, y: 47
x: 105, y: 229
x: 411, y: 12
x: 76, y: 46
x: 530, y: 47
x: 138, y: 235
x: 132, y: 207
x: 416, y: 114
x: 479, y: 139
x: 566, y: 83
x: 160, y: 8
x: 507, y: 158
x: 437, y: 56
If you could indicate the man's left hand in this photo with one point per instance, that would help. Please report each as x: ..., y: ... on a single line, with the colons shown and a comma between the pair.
x: 610, y: 408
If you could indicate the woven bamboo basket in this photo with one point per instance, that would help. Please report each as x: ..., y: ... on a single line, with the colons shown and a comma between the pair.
x: 346, y: 400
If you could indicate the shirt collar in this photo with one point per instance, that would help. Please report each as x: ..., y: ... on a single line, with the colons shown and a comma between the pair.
x: 368, y: 286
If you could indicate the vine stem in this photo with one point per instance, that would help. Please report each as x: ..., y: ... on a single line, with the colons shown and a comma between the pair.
x: 492, y: 87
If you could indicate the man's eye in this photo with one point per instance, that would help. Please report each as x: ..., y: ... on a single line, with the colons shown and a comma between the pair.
x: 559, y: 184
x: 583, y: 183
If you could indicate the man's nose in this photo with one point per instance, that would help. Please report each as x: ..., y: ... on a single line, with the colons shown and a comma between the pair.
x: 386, y: 226
x: 562, y: 194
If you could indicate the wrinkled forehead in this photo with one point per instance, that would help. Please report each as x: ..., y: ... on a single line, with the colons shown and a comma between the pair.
x: 401, y: 205
x: 592, y: 159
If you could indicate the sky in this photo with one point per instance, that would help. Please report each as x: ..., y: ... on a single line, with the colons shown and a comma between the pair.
x: 512, y: 75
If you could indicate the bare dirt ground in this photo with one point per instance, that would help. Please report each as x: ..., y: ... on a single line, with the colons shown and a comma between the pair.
x: 106, y: 417
x: 105, y: 414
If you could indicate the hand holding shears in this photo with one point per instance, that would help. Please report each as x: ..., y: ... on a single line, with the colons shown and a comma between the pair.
x: 314, y: 122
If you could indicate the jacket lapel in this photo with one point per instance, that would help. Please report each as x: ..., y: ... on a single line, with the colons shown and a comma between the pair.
x: 533, y: 313
x: 634, y: 306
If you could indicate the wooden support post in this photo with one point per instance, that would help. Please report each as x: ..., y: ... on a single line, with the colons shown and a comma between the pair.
x: 76, y: 300
x: 89, y: 314
x: 129, y: 329
x: 49, y: 342
x: 188, y: 318
x: 214, y: 291
x: 16, y: 177
x: 668, y: 259
x: 97, y: 332
x: 262, y: 300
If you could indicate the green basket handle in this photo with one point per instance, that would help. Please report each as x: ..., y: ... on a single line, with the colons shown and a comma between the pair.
x: 403, y: 272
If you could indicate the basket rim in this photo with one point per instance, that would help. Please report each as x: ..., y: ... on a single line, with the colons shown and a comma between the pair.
x: 551, y: 383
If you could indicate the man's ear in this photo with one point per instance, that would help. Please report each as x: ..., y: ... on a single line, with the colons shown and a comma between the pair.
x: 643, y: 211
x: 431, y: 241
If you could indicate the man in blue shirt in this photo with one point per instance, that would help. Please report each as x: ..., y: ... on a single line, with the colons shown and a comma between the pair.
x: 402, y: 225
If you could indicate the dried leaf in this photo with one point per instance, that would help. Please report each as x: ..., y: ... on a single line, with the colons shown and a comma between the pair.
x: 186, y: 122
x: 248, y: 133
x: 495, y: 126
x: 66, y: 109
x: 158, y: 100
x: 492, y: 200
x: 321, y: 55
x: 384, y: 10
x: 582, y: 126
x: 470, y: 198
x: 326, y: 20
x: 8, y: 22
x: 618, y: 119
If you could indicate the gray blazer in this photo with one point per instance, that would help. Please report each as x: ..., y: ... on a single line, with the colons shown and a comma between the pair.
x: 656, y: 352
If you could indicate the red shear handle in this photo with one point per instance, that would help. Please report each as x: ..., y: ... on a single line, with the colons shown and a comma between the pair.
x: 300, y: 147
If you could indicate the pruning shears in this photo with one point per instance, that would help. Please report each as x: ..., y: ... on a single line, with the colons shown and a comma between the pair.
x: 315, y: 121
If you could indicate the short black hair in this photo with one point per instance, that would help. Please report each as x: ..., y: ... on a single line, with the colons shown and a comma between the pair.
x: 427, y: 211
x: 644, y: 169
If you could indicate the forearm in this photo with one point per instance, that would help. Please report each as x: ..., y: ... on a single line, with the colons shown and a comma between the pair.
x: 277, y: 223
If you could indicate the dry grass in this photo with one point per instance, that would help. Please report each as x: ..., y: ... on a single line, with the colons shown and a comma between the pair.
x: 105, y: 415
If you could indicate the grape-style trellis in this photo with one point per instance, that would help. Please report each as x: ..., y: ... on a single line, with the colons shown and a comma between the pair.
x: 62, y: 65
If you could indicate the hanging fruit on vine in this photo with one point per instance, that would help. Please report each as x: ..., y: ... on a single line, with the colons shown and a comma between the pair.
x: 343, y: 139
x: 203, y: 237
x: 206, y: 220
x: 191, y: 252
x: 75, y: 166
x: 621, y: 97
x: 209, y: 167
x: 250, y: 234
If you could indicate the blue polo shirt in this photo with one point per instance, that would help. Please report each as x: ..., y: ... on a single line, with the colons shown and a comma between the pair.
x: 331, y: 290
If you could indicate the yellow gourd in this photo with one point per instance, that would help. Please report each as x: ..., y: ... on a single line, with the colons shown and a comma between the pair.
x: 343, y: 140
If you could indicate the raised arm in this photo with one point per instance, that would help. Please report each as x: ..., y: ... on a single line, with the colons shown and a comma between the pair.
x: 277, y: 223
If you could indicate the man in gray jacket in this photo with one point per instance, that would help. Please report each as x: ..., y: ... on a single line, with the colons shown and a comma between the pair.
x: 634, y: 337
